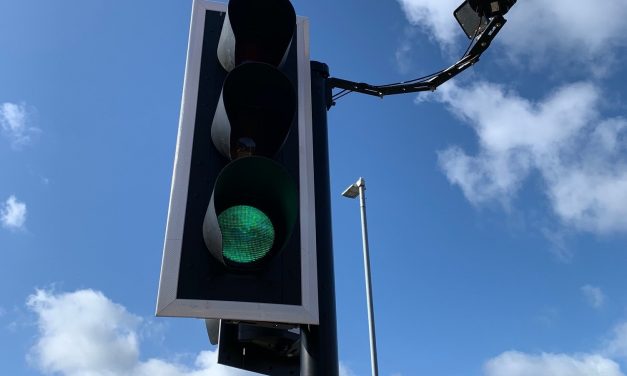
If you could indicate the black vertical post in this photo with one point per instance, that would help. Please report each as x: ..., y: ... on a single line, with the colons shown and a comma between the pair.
x: 319, y: 342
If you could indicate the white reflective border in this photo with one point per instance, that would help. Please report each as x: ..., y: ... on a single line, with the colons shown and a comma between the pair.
x: 167, y: 304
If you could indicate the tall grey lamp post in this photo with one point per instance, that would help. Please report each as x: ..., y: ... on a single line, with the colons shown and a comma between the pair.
x: 358, y: 189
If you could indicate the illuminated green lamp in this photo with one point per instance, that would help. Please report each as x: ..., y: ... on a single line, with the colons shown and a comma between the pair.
x: 247, y: 234
x: 251, y: 213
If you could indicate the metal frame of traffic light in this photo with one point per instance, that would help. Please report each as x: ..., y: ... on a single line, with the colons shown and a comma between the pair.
x: 168, y: 302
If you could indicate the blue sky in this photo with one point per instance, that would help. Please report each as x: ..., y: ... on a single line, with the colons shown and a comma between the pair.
x: 497, y: 205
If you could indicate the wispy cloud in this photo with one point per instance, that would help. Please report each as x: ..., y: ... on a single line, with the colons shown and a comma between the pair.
x: 513, y: 363
x: 401, y: 57
x: 548, y: 317
x: 616, y: 344
x: 435, y: 17
x: 15, y: 124
x: 345, y: 370
x: 579, y: 154
x: 593, y: 295
x: 13, y: 214
x: 102, y: 338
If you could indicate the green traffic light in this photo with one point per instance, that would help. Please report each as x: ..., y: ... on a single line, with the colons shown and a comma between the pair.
x: 247, y: 234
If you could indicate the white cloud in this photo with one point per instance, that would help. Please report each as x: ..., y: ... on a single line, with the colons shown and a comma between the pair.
x: 514, y: 363
x: 14, y: 122
x: 579, y: 155
x: 601, y: 362
x: 99, y: 338
x: 583, y: 31
x: 616, y: 346
x: 13, y: 214
x: 593, y: 295
x: 345, y: 370
x: 538, y: 29
x: 435, y: 17
x: 85, y: 334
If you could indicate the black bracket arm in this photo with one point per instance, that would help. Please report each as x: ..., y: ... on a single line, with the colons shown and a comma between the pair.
x: 431, y: 83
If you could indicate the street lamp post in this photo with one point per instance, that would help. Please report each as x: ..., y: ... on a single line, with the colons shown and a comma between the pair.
x: 358, y: 189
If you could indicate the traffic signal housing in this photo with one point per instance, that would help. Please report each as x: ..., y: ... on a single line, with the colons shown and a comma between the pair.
x: 240, y: 239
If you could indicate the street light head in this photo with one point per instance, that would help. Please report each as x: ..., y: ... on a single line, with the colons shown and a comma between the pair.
x: 351, y: 192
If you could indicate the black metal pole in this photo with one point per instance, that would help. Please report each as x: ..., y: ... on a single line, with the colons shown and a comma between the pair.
x: 318, y: 353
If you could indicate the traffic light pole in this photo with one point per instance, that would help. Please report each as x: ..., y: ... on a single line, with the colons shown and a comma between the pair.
x: 319, y: 342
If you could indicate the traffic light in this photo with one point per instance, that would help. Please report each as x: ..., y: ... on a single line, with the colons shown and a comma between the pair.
x: 241, y: 234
